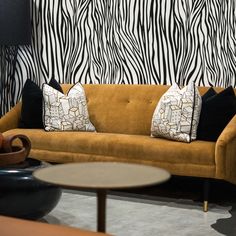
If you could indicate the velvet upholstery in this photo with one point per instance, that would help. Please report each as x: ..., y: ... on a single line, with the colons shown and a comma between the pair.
x: 11, y: 119
x: 122, y: 109
x: 122, y: 117
x: 125, y: 147
x: 17, y: 227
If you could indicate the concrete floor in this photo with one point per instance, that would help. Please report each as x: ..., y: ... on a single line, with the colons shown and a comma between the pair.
x: 173, y: 208
x: 221, y: 193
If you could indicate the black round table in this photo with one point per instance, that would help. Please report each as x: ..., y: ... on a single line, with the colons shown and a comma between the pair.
x: 22, y: 195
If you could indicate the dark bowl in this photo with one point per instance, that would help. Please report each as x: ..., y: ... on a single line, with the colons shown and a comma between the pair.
x: 23, y: 196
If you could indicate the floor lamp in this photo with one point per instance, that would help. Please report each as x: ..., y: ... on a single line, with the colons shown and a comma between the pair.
x: 15, y: 30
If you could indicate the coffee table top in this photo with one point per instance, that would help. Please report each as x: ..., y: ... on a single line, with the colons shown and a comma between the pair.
x: 102, y: 175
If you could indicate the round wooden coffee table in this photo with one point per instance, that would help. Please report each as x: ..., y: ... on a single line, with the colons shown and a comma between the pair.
x: 101, y: 176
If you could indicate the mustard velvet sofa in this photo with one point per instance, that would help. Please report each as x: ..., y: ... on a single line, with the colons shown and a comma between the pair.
x: 122, y: 116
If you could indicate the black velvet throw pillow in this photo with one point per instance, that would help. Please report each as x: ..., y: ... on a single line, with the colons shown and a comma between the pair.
x: 217, y: 111
x: 211, y: 92
x: 32, y: 98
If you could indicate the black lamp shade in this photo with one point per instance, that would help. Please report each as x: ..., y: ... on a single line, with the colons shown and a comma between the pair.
x: 15, y: 25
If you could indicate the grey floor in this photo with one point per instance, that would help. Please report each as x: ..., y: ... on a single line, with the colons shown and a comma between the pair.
x: 221, y: 194
x: 174, y: 208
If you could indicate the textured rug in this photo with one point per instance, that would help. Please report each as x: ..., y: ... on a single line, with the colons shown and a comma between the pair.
x: 128, y: 216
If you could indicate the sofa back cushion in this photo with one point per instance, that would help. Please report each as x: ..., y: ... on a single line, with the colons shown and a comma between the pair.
x: 121, y: 108
x: 127, y: 109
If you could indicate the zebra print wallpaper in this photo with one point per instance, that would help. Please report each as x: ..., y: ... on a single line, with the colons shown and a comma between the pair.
x: 130, y: 42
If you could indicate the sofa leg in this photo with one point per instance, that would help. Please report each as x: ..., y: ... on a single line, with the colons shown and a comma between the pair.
x: 205, y: 206
x: 206, y: 187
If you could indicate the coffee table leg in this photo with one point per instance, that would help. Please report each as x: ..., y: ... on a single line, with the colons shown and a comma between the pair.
x: 101, y: 210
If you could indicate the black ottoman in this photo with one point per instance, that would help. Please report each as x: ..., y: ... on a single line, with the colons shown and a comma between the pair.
x: 21, y: 195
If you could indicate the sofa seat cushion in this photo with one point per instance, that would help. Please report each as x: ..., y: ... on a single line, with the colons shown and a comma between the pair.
x: 123, y: 146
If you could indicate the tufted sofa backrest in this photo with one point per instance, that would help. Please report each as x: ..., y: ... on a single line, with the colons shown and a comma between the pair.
x: 119, y: 108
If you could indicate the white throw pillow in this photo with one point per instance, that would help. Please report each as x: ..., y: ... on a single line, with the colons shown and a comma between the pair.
x: 66, y: 112
x: 177, y: 114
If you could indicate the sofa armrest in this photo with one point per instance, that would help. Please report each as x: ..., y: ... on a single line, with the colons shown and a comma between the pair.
x: 11, y: 119
x: 225, y: 153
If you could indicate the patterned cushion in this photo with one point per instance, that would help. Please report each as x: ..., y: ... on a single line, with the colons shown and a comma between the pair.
x: 66, y: 112
x: 177, y: 114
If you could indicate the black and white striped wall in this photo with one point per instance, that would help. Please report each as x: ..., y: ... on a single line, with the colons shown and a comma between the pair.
x: 130, y: 42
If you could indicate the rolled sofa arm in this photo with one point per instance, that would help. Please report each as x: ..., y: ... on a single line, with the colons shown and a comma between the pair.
x: 11, y: 119
x: 225, y: 153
